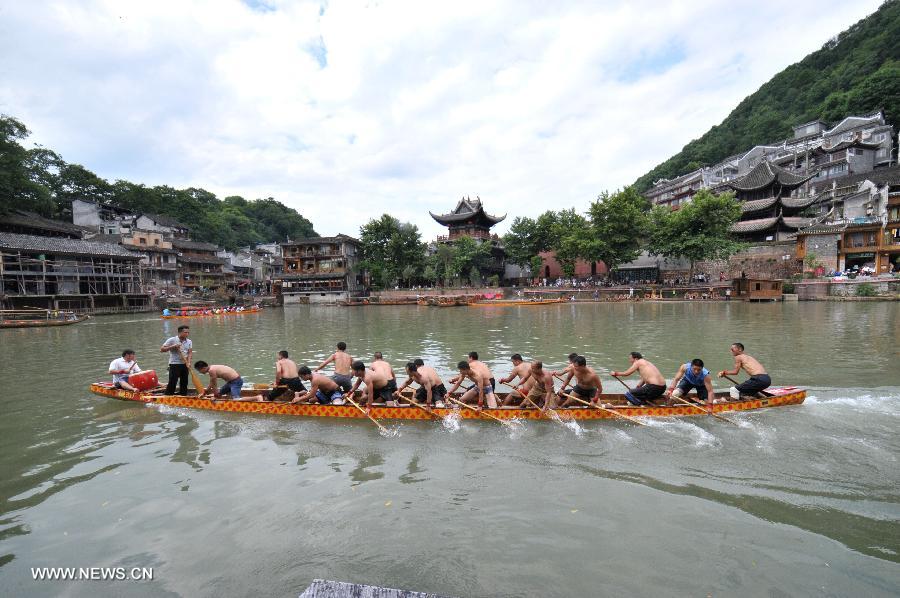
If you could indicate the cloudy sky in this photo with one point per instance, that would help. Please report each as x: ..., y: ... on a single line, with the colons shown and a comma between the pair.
x: 347, y: 110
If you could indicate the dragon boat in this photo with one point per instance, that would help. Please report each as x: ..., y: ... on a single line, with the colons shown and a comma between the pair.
x: 615, y: 406
x: 505, y: 303
x: 203, y: 314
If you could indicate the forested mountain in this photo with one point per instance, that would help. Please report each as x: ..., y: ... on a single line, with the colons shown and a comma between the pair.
x: 856, y: 72
x: 39, y: 180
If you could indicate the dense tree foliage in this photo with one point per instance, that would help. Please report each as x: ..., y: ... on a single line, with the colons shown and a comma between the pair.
x: 392, y: 251
x: 611, y: 232
x: 40, y: 181
x: 698, y: 231
x: 856, y: 72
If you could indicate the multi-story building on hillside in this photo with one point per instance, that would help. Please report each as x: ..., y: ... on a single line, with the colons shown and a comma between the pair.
x: 321, y: 270
x: 199, y: 268
x: 855, y: 145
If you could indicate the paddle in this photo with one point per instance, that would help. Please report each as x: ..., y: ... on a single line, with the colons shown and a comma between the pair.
x: 198, y: 383
x: 363, y: 411
x: 706, y: 411
x: 480, y: 411
x: 419, y: 405
x: 616, y: 413
x: 762, y: 392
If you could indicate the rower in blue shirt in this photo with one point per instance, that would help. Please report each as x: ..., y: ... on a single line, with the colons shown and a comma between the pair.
x: 692, y: 376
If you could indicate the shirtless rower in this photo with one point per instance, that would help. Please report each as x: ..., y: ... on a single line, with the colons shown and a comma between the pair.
x: 342, y: 360
x: 377, y: 384
x: 521, y: 370
x: 587, y: 383
x: 481, y: 390
x: 691, y: 375
x: 233, y: 381
x: 431, y: 388
x: 287, y: 379
x: 566, y: 369
x: 378, y: 365
x: 758, y: 381
x: 652, y: 384
x: 541, y: 391
x: 322, y: 389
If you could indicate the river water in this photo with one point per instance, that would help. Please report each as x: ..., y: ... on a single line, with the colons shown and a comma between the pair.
x: 795, y: 501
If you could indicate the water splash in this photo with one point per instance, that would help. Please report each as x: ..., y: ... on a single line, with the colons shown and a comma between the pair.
x: 450, y: 422
x: 568, y: 422
x: 516, y: 428
x: 390, y: 431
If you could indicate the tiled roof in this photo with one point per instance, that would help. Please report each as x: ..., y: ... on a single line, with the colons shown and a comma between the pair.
x: 60, y: 245
x: 795, y: 221
x: 758, y: 204
x: 798, y: 202
x: 823, y: 228
x: 766, y: 173
x: 465, y: 209
x: 194, y: 259
x: 879, y: 176
x: 27, y: 219
x: 336, y: 239
x: 752, y: 226
x: 165, y: 220
x: 184, y: 244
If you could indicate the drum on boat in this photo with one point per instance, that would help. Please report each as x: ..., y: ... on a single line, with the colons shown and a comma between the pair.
x: 144, y: 380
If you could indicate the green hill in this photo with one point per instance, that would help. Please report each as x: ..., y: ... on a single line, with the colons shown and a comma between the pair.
x: 41, y: 181
x: 856, y: 72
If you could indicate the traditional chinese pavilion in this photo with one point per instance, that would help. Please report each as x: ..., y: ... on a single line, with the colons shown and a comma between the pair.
x: 769, y: 213
x: 468, y: 219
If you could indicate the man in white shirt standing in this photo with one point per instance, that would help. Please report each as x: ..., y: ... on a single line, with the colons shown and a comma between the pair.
x: 180, y: 356
x: 123, y: 367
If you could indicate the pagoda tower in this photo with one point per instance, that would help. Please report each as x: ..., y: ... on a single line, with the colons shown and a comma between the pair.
x: 769, y: 213
x: 468, y: 219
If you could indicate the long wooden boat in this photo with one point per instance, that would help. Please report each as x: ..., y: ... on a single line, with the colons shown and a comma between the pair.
x: 505, y: 303
x: 38, y: 318
x: 213, y: 315
x: 781, y: 396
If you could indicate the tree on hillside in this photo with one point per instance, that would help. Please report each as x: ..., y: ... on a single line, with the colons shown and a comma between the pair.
x: 854, y: 73
x: 699, y: 231
x: 38, y: 179
x: 391, y: 250
x: 618, y: 224
x: 24, y: 174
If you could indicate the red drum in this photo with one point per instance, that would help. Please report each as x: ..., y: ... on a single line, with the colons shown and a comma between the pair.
x: 144, y: 380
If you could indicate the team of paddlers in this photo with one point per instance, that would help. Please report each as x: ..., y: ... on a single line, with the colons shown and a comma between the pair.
x: 533, y: 385
x: 206, y: 311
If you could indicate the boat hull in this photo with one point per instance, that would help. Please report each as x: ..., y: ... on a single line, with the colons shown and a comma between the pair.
x: 229, y: 313
x: 782, y: 397
x: 516, y: 303
x: 39, y: 323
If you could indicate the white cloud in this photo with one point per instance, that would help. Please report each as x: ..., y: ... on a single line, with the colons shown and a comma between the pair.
x: 348, y: 110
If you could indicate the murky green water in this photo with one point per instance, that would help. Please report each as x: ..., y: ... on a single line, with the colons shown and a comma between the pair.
x: 797, y: 501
